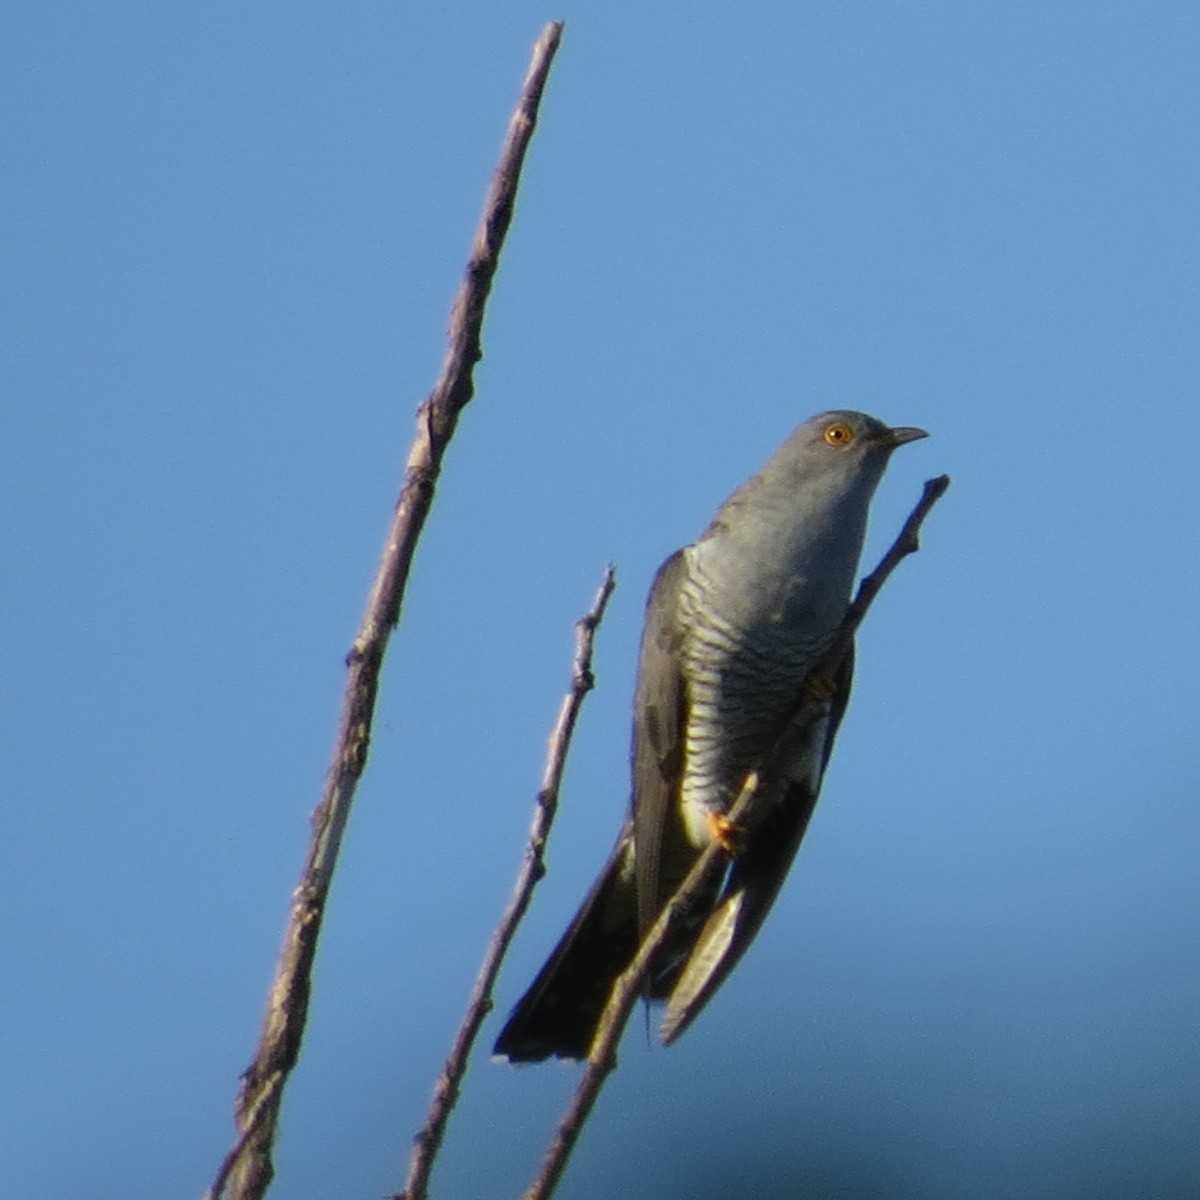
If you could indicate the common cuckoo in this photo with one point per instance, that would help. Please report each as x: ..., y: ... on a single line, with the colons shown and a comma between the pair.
x: 735, y: 624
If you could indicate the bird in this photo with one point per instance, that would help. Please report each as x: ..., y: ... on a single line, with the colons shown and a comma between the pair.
x: 735, y: 624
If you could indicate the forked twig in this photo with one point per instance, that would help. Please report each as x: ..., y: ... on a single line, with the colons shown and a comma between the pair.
x: 602, y: 1058
x: 445, y: 1092
x: 247, y: 1169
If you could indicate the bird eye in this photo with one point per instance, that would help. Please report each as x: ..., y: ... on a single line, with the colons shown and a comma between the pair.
x: 839, y: 434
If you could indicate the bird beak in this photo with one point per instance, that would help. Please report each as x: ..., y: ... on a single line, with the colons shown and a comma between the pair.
x: 904, y: 433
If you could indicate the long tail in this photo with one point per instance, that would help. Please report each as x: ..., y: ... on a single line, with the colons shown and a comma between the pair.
x: 559, y: 1013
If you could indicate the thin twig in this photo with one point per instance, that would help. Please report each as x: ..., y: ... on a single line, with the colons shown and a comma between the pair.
x: 445, y: 1093
x: 907, y: 542
x: 247, y: 1170
x: 602, y: 1055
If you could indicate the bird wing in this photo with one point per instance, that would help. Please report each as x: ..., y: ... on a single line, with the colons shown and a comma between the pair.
x: 658, y: 732
x: 758, y: 870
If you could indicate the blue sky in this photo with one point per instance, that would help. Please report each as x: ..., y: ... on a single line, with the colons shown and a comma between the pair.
x: 231, y: 235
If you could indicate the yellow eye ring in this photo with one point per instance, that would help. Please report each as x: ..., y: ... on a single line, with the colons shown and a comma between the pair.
x: 839, y: 434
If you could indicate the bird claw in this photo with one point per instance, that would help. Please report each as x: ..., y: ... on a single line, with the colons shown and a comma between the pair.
x: 726, y: 833
x: 729, y: 834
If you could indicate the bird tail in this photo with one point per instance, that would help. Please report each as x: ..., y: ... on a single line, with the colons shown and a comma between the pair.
x: 558, y: 1015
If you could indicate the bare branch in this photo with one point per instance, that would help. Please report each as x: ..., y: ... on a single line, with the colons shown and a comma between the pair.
x: 907, y: 542
x: 445, y: 1093
x: 602, y: 1056
x: 247, y: 1170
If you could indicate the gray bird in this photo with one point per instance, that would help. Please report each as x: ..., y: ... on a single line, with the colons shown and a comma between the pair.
x: 734, y: 624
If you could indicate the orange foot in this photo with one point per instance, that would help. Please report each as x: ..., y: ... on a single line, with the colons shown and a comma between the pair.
x: 726, y: 833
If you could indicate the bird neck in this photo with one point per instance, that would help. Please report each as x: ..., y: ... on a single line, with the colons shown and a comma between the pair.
x: 768, y: 560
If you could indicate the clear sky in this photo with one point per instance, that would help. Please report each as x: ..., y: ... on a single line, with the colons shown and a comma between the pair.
x: 231, y: 234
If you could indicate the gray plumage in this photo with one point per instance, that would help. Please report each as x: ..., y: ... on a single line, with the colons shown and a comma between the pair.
x: 734, y: 624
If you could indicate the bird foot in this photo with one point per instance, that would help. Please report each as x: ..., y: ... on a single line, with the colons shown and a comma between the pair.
x: 726, y: 833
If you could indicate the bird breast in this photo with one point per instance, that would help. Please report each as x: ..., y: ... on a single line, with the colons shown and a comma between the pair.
x: 750, y: 634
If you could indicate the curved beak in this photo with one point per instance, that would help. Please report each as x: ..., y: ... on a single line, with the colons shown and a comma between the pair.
x: 905, y: 433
